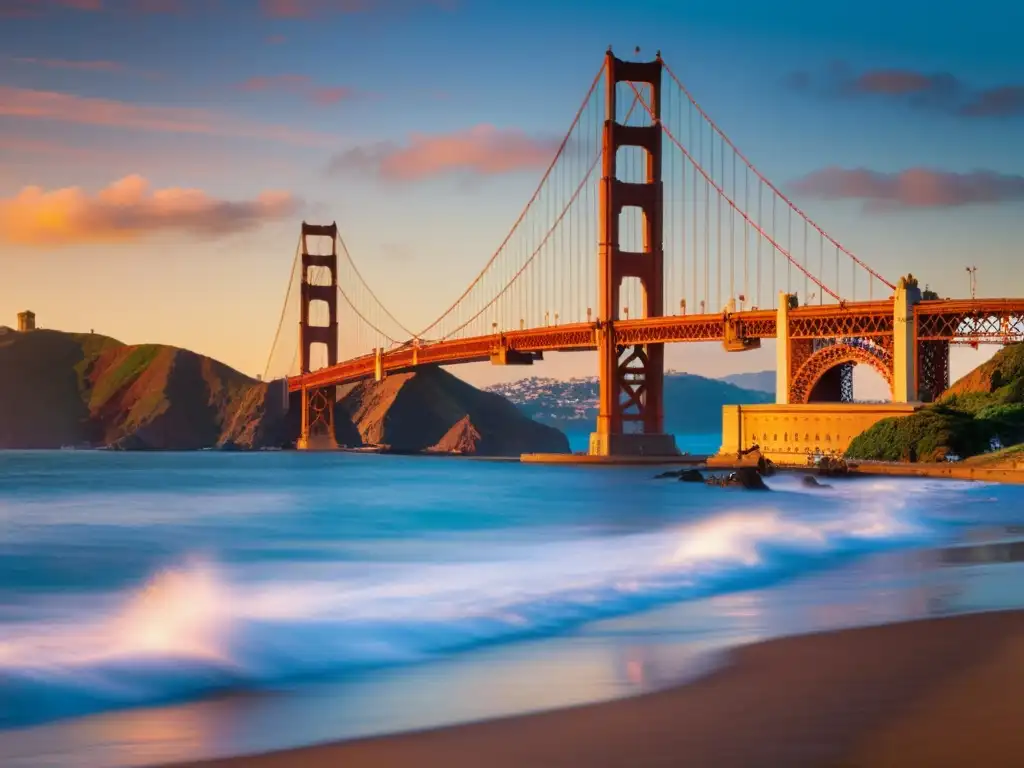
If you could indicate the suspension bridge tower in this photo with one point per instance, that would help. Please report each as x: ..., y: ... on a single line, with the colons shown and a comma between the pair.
x: 319, y: 284
x: 631, y: 411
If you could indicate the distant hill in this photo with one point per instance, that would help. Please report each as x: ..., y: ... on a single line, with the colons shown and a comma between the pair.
x: 59, y: 389
x: 761, y: 381
x: 979, y: 412
x: 693, y: 404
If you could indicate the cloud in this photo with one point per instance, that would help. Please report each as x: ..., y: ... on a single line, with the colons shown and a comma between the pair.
x: 996, y: 102
x: 83, y: 110
x: 397, y: 252
x: 276, y: 40
x: 280, y: 9
x: 85, y: 66
x: 914, y: 188
x: 129, y: 210
x: 25, y: 8
x: 301, y: 85
x: 483, y: 150
x: 938, y: 91
x: 301, y: 9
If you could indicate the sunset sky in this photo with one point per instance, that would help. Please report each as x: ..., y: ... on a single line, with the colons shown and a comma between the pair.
x: 157, y: 156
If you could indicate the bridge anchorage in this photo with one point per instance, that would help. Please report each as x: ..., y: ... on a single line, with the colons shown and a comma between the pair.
x: 690, y: 246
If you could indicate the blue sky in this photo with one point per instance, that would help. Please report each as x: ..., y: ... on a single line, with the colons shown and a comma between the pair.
x: 239, y: 99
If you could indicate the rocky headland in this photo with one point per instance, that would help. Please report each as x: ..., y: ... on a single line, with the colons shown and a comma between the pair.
x: 62, y: 389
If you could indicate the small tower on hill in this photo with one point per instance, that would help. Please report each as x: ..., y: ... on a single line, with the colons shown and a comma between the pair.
x: 26, y: 321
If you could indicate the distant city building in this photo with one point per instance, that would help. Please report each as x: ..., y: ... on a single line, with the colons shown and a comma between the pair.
x: 26, y: 321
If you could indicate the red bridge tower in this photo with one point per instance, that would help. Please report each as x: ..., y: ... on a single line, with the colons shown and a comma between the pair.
x: 319, y: 284
x: 631, y: 411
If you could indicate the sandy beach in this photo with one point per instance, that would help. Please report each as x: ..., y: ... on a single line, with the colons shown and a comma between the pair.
x: 937, y: 692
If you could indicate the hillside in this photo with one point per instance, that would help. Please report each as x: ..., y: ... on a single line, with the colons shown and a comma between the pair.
x: 981, y: 411
x: 693, y: 404
x: 760, y: 381
x: 432, y: 410
x: 59, y: 389
x: 85, y: 389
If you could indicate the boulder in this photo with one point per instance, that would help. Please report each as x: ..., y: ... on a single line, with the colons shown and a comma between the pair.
x: 744, y: 477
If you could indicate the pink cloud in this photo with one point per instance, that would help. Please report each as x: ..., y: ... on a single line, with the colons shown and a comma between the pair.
x: 332, y: 94
x: 912, y: 188
x: 282, y: 9
x: 303, y: 86
x: 276, y: 82
x: 127, y: 210
x: 82, y: 110
x: 483, y: 150
x: 1005, y: 101
x: 894, y: 82
x: 298, y: 9
x: 938, y: 91
x: 87, y: 66
x: 20, y: 8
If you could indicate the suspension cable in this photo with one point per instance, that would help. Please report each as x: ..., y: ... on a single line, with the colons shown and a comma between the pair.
x: 722, y: 195
x: 284, y: 309
x: 522, y: 215
x: 763, y: 178
x: 547, y: 236
x: 366, y: 285
x: 362, y: 317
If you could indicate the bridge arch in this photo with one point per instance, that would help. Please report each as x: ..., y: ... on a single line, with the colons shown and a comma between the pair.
x: 828, y: 361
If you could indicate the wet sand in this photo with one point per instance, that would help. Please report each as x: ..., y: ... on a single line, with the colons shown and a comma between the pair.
x: 937, y: 692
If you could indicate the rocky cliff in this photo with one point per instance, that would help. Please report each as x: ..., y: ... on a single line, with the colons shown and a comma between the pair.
x: 60, y: 389
x: 432, y: 410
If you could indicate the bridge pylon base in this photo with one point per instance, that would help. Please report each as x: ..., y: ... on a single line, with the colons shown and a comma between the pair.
x: 316, y: 443
x: 624, y: 444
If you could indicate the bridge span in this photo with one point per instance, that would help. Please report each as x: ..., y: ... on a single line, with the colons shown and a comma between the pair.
x: 678, y: 222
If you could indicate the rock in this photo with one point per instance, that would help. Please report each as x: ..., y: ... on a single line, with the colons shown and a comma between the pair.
x: 810, y: 481
x: 463, y: 437
x: 744, y: 477
x: 830, y: 467
x: 684, y: 475
x: 429, y: 409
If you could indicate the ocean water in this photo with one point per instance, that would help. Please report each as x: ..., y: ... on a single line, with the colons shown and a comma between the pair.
x: 699, y: 443
x: 130, y: 582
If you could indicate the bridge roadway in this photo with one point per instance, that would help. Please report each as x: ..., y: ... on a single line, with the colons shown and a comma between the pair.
x: 955, y: 321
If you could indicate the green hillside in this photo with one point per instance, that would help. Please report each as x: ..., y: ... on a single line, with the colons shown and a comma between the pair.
x: 982, y: 409
x: 61, y: 389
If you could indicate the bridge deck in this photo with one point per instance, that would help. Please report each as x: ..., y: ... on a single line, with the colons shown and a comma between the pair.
x: 970, y: 320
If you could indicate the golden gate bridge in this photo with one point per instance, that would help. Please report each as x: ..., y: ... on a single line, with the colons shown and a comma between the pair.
x: 648, y: 227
